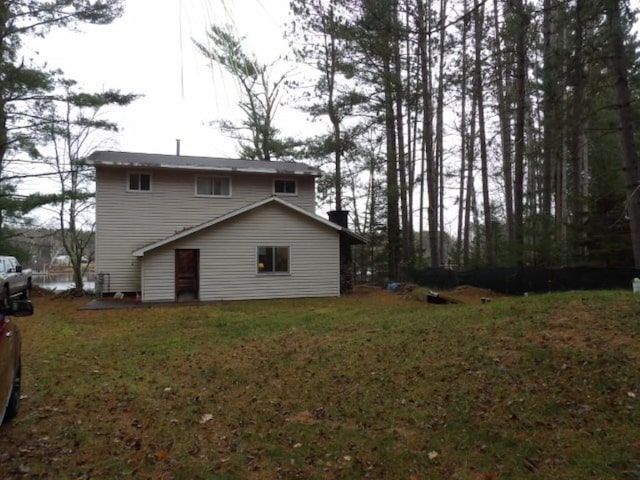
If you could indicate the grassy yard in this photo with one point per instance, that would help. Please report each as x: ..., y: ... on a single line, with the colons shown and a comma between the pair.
x: 372, y: 385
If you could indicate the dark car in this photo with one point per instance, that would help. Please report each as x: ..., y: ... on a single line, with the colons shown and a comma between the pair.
x: 10, y: 357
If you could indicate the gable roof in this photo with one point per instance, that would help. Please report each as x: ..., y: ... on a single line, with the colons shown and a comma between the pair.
x: 352, y: 236
x: 183, y: 162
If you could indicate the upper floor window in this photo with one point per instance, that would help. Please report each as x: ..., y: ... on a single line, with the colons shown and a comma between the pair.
x: 285, y: 187
x: 140, y: 182
x: 213, y: 186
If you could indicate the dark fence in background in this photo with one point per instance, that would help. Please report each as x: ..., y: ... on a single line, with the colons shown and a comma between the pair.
x: 528, y: 279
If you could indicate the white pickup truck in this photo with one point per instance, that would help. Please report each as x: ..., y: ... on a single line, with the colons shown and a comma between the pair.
x: 14, y: 279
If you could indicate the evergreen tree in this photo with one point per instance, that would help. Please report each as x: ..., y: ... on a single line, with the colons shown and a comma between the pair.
x: 335, y: 96
x: 24, y: 84
x: 261, y: 96
x: 628, y: 146
x: 72, y: 119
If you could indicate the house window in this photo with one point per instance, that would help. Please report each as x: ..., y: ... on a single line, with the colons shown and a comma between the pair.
x: 273, y: 259
x: 140, y: 182
x: 213, y: 186
x: 285, y: 187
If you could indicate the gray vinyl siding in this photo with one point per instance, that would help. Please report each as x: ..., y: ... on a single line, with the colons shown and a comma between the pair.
x: 228, y: 259
x: 126, y: 221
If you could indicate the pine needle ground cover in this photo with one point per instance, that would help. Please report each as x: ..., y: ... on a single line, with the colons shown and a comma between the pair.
x: 372, y: 385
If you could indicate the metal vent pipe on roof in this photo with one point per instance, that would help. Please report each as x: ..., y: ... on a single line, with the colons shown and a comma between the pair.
x: 177, y: 147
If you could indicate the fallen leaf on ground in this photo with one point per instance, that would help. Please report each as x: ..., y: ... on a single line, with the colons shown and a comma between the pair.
x: 206, y: 417
x: 161, y: 454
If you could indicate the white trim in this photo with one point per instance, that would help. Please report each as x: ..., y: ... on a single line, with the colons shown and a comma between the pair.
x: 213, y: 178
x: 273, y: 273
x: 139, y: 190
x: 285, y: 194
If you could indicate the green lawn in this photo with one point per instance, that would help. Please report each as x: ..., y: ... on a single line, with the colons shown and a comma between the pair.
x: 375, y: 385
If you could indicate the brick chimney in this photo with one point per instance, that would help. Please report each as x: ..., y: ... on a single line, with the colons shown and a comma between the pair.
x: 341, y: 217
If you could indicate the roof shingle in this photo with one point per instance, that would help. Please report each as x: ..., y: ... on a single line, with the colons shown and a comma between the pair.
x: 184, y: 162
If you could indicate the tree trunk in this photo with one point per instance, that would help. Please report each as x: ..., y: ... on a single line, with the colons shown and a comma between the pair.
x: 484, y: 167
x: 471, y: 191
x: 407, y: 253
x: 521, y: 22
x: 432, y: 179
x: 462, y: 243
x: 550, y: 125
x: 330, y: 77
x: 440, y: 129
x: 4, y: 127
x: 628, y: 153
x: 548, y: 105
x: 504, y: 115
x: 371, y: 212
x: 412, y: 125
x: 577, y: 136
x: 555, y: 124
x: 393, y: 223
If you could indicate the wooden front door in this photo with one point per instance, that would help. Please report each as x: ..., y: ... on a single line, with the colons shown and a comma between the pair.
x: 187, y: 274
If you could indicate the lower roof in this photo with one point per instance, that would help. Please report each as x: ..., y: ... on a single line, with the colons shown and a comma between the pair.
x: 353, y: 237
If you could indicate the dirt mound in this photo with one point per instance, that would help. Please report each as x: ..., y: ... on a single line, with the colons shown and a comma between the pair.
x: 471, y: 294
x: 467, y: 294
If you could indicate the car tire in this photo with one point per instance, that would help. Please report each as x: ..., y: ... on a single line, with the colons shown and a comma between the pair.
x: 26, y: 293
x: 14, y: 399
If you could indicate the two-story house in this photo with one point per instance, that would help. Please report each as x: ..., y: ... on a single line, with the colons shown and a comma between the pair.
x: 173, y: 227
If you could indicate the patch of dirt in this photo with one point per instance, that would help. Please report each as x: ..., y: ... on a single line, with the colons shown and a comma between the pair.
x: 562, y: 338
x: 471, y: 294
x: 466, y: 294
x: 365, y: 289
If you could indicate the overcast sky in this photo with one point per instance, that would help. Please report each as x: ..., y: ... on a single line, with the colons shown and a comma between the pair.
x: 149, y: 50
